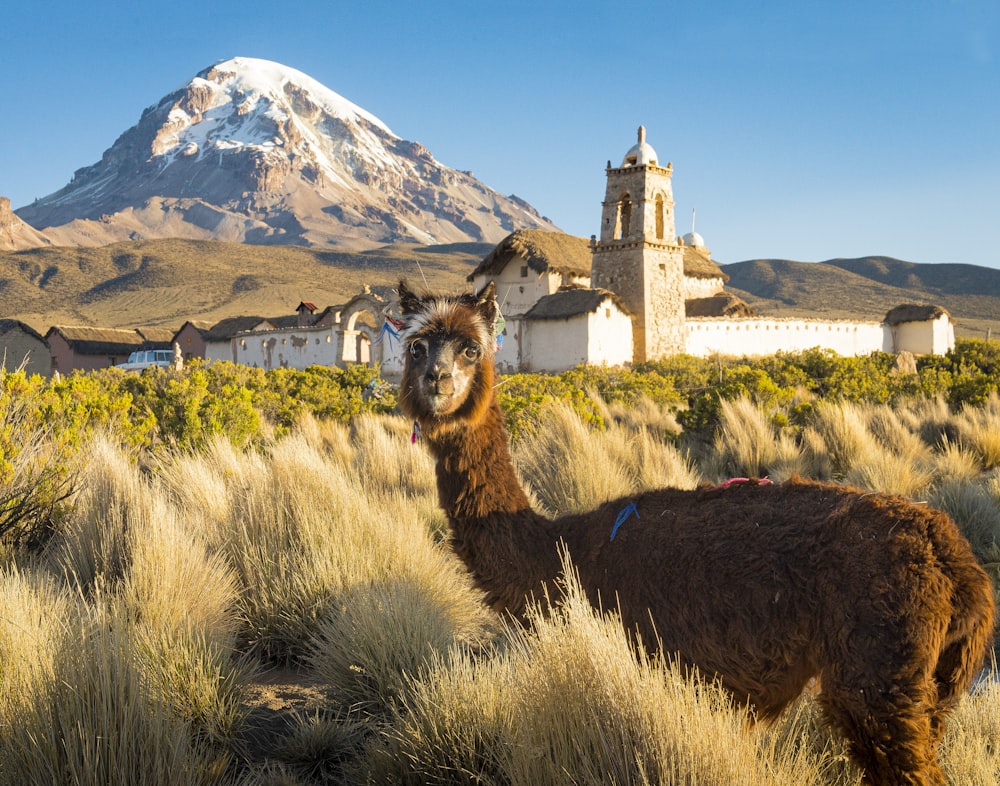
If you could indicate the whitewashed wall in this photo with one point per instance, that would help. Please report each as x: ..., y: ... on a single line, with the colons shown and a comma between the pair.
x: 935, y: 336
x: 601, y: 338
x: 702, y: 287
x: 290, y: 348
x: 766, y: 336
x: 610, y: 336
x: 220, y: 350
x: 517, y: 294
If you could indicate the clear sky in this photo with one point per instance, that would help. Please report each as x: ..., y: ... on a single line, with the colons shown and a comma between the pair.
x: 798, y: 129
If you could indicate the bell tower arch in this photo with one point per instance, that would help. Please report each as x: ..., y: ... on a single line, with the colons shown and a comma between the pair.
x: 638, y: 256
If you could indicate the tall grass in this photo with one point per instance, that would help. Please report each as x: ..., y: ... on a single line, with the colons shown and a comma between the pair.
x: 748, y: 444
x: 95, y: 721
x: 571, y: 467
x: 128, y: 644
x: 571, y: 700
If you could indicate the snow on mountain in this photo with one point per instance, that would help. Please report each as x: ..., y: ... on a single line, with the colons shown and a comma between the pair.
x: 254, y: 151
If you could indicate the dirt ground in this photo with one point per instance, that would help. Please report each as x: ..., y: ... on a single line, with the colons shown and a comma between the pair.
x: 272, y: 702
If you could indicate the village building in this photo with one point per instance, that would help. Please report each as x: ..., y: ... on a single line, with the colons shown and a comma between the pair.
x: 215, y: 342
x: 638, y: 291
x: 87, y: 349
x: 22, y: 347
x: 354, y: 332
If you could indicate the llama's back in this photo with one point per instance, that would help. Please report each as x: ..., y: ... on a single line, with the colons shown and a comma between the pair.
x: 756, y: 581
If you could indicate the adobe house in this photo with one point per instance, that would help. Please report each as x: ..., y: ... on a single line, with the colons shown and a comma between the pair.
x: 336, y: 336
x: 75, y: 348
x: 920, y: 329
x: 191, y: 338
x: 573, y: 327
x: 22, y: 346
x: 530, y: 264
x: 215, y: 342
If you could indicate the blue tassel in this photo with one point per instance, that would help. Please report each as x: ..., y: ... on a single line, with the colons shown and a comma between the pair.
x: 627, y: 511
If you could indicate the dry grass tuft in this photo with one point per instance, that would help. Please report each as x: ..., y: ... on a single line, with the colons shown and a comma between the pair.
x: 748, y: 445
x: 569, y: 467
x: 571, y: 701
x: 97, y: 722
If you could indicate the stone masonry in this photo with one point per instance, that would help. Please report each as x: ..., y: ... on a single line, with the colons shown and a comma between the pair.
x: 639, y: 256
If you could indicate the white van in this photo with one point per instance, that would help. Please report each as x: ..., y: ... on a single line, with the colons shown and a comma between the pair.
x: 144, y: 358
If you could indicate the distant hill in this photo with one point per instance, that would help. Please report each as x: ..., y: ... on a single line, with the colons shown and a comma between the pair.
x: 868, y: 287
x: 165, y: 282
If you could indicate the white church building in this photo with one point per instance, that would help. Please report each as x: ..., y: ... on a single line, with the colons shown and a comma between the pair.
x: 636, y: 292
x: 639, y: 292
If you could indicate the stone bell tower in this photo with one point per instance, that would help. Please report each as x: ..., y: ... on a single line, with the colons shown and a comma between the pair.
x: 638, y: 256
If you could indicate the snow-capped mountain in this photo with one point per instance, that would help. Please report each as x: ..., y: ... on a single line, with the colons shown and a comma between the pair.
x: 253, y: 151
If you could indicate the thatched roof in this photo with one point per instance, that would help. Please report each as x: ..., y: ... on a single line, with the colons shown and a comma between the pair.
x: 8, y: 325
x: 156, y: 335
x: 722, y: 305
x: 568, y: 303
x: 698, y: 264
x: 912, y: 312
x: 98, y: 341
x: 541, y: 251
x: 225, y: 329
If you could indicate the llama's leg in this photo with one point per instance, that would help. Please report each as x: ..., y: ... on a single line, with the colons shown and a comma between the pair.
x: 891, y: 732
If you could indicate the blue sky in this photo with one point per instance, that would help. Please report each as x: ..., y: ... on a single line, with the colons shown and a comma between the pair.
x: 801, y: 130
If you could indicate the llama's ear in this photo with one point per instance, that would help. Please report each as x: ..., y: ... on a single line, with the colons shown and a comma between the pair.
x: 409, y: 303
x: 486, y: 304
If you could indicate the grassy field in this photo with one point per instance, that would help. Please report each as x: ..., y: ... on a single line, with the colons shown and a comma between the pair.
x: 290, y: 614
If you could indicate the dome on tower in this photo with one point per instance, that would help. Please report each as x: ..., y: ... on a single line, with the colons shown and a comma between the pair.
x: 694, y: 239
x: 641, y: 153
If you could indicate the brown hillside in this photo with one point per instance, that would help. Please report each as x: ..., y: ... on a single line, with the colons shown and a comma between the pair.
x: 868, y: 287
x: 165, y: 282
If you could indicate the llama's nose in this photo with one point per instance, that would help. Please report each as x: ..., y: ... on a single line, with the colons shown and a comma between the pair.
x: 438, y: 373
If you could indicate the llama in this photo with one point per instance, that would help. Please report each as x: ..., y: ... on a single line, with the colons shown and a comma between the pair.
x: 763, y: 585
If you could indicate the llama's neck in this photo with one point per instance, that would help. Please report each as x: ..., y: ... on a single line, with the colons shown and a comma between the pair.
x: 508, y: 547
x: 475, y: 473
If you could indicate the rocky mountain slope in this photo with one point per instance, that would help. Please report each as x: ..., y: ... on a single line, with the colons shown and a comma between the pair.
x: 253, y: 151
x: 14, y: 233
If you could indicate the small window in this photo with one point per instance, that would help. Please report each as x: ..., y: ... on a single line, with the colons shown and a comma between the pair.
x: 524, y: 271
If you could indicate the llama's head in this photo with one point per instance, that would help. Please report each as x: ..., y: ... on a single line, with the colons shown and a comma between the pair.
x: 449, y: 343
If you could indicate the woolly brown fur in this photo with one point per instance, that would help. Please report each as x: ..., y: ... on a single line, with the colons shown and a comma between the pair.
x: 765, y: 586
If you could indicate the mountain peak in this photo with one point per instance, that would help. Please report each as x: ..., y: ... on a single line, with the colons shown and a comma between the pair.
x: 254, y: 151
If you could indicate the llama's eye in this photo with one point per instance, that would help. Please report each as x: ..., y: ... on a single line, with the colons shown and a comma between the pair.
x: 418, y: 349
x: 472, y: 352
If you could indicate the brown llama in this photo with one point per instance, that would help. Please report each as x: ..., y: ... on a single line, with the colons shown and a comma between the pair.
x: 764, y: 586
